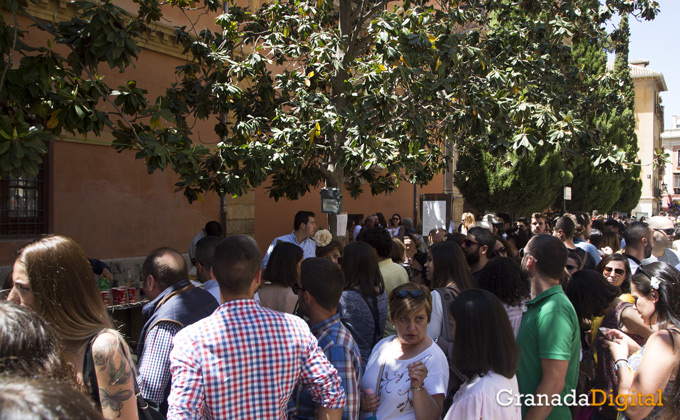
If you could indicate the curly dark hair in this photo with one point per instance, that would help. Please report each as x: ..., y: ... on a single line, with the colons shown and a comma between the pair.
x: 503, y: 277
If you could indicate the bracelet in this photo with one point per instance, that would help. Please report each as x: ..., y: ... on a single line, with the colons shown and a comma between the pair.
x: 619, y: 364
x: 619, y: 360
x: 420, y: 388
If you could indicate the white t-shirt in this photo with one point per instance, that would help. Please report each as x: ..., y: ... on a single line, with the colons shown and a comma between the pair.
x: 396, y: 399
x: 479, y: 399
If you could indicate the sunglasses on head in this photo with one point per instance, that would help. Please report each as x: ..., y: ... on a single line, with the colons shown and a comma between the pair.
x: 619, y: 271
x: 403, y: 294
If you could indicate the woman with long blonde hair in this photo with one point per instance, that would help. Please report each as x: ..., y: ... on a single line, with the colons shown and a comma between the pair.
x: 54, y: 278
x: 467, y: 222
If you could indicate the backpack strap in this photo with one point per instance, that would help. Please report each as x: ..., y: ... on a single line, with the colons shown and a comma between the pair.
x: 90, y: 375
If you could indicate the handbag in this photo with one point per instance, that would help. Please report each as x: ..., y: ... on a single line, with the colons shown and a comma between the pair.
x: 147, y: 409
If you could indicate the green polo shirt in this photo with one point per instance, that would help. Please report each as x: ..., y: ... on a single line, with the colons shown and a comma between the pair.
x: 549, y: 330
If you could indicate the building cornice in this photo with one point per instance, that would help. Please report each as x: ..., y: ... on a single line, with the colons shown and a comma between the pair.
x: 159, y: 37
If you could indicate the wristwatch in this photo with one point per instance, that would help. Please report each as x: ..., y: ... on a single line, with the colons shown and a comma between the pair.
x: 420, y: 388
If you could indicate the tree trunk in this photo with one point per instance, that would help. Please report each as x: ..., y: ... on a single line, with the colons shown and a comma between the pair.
x: 336, y: 179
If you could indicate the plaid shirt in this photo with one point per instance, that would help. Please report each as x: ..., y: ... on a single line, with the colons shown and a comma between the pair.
x: 243, y: 361
x: 339, y: 347
x: 154, y: 363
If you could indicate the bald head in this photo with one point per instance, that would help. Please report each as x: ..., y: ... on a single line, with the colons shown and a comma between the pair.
x: 166, y: 265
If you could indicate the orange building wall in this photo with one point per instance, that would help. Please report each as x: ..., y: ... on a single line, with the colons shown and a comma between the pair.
x: 273, y: 219
x: 109, y: 204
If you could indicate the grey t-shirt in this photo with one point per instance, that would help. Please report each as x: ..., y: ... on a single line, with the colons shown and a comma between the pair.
x: 358, y: 318
x: 669, y: 256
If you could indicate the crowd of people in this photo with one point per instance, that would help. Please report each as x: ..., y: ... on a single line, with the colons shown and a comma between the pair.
x: 571, y: 316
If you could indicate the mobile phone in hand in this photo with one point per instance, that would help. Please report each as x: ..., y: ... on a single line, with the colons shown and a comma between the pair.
x: 606, y: 333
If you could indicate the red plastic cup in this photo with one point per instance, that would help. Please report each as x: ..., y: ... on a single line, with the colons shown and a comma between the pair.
x: 106, y: 297
x: 119, y: 295
x: 131, y: 294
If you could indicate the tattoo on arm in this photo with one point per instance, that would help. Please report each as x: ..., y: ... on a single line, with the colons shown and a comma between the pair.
x: 114, y: 402
x: 105, y: 360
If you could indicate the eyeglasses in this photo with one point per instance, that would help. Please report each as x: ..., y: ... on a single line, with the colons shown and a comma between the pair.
x: 297, y: 289
x: 469, y: 242
x: 619, y: 271
x: 403, y: 294
x: 571, y: 267
x: 668, y: 232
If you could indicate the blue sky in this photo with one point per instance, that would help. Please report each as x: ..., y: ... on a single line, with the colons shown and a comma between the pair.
x: 659, y: 42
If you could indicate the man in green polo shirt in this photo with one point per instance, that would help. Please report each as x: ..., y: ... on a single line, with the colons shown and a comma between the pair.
x: 548, y: 337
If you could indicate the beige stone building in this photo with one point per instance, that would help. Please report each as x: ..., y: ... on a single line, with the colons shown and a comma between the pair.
x: 648, y: 84
x: 670, y: 139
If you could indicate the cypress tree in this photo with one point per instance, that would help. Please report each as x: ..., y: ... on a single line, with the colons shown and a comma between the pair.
x: 622, y: 122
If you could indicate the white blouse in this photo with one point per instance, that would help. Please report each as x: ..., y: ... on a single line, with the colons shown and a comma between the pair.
x: 491, y: 396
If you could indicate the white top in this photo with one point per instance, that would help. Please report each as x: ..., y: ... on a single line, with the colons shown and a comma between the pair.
x: 434, y: 328
x: 485, y: 398
x: 396, y: 398
x: 515, y: 314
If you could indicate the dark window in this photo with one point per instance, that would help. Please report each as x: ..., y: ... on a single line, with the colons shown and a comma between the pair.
x: 23, y: 206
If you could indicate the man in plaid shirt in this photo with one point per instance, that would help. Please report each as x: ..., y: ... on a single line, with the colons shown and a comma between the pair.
x: 319, y: 289
x: 243, y: 361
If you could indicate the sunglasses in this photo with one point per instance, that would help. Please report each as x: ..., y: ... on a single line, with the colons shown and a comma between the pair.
x: 499, y: 251
x: 403, y: 294
x: 571, y: 267
x: 297, y: 289
x: 668, y: 232
x: 395, y: 218
x: 619, y: 271
x: 469, y: 242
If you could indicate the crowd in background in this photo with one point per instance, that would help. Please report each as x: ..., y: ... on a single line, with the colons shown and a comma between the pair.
x: 408, y: 325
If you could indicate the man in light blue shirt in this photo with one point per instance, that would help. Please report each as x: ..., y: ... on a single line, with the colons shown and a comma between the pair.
x: 304, y: 228
x: 582, y: 235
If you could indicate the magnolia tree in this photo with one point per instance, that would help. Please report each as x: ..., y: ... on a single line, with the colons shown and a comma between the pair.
x: 360, y: 93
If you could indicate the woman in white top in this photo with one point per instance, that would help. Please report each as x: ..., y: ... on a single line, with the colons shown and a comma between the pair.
x: 446, y: 267
x: 407, y: 374
x: 486, y: 352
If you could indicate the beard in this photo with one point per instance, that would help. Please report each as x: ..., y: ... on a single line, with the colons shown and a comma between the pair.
x: 648, y: 250
x: 473, y: 258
